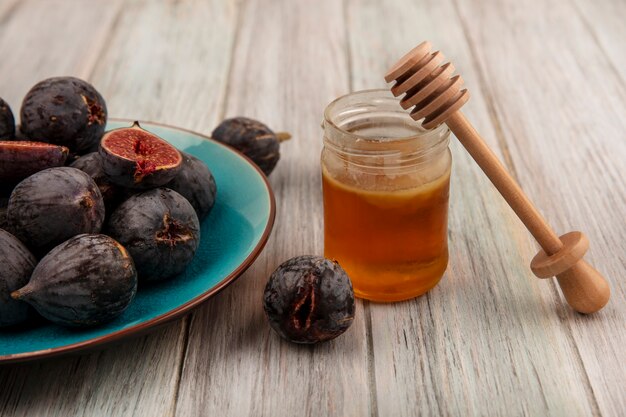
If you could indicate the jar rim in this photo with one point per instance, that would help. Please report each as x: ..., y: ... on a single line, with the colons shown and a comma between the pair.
x: 441, y: 130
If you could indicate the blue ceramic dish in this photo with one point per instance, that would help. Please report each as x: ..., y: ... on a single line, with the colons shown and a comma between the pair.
x: 233, y: 235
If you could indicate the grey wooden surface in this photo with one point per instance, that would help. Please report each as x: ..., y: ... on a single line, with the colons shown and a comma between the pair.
x: 549, y: 94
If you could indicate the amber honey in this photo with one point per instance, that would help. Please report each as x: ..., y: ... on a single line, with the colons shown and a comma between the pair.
x: 385, y: 184
x: 393, y: 244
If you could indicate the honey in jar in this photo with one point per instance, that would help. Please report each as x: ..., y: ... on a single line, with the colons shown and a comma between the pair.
x: 385, y: 182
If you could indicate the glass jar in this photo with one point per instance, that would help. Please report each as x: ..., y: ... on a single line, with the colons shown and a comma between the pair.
x: 386, y: 185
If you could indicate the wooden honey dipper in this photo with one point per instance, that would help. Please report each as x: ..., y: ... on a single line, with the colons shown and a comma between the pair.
x: 437, y: 97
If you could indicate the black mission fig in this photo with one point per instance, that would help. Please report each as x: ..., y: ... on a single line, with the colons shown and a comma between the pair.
x: 196, y: 183
x: 53, y: 205
x: 86, y: 281
x: 91, y: 164
x: 309, y: 299
x: 65, y: 111
x: 252, y: 138
x: 161, y: 231
x: 16, y: 267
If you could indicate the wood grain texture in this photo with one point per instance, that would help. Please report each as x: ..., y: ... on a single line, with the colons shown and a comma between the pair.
x: 548, y: 95
x: 136, y: 69
x: 168, y: 61
x: 604, y: 22
x: 7, y: 8
x: 289, y: 63
x: 487, y: 339
x: 32, y: 52
x: 564, y: 123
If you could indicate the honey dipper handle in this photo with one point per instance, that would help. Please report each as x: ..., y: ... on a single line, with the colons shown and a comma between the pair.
x: 506, y: 185
x: 584, y: 288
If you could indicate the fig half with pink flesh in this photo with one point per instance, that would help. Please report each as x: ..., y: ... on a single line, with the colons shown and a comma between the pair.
x: 135, y: 158
x: 21, y: 159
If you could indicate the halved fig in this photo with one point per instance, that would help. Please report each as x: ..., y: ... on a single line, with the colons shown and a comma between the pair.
x: 21, y: 159
x: 135, y: 158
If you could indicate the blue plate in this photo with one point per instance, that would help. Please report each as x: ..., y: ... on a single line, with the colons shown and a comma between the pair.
x: 233, y: 235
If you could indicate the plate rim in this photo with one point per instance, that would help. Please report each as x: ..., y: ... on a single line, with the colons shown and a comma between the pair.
x: 181, y: 310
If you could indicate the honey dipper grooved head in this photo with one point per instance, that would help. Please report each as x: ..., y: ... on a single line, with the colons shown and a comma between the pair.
x: 427, y: 85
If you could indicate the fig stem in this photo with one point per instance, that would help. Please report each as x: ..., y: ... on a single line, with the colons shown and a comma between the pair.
x: 19, y: 294
x: 283, y: 136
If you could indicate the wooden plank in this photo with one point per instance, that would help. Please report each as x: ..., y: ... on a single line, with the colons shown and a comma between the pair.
x: 289, y: 63
x: 141, y: 75
x: 487, y: 340
x: 169, y: 62
x: 130, y: 378
x: 32, y: 52
x: 7, y: 8
x: 604, y: 20
x: 491, y: 338
x: 562, y: 114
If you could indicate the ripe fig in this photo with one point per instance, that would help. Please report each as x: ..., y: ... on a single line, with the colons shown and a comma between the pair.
x: 53, y: 205
x: 252, y: 138
x: 16, y: 267
x: 135, y: 158
x: 65, y: 111
x: 91, y: 164
x: 196, y: 183
x: 309, y: 299
x: 7, y: 121
x: 161, y: 231
x: 85, y: 281
x: 19, y: 159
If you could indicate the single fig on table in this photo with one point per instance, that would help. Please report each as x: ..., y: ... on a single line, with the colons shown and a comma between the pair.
x: 91, y: 164
x: 53, y: 205
x: 85, y: 281
x: 16, y: 267
x: 20, y: 159
x: 252, y: 138
x: 196, y: 183
x: 161, y: 231
x: 135, y: 158
x: 309, y: 299
x: 65, y: 111
x: 7, y: 121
